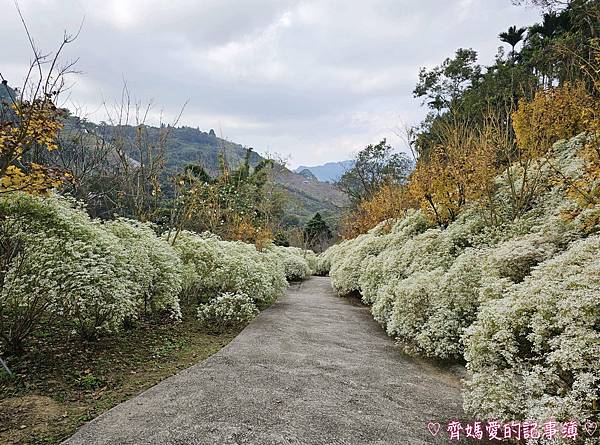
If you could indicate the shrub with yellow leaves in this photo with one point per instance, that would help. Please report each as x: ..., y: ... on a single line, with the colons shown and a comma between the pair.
x: 460, y: 169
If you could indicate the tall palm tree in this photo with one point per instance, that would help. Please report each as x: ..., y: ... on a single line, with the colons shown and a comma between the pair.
x: 512, y: 37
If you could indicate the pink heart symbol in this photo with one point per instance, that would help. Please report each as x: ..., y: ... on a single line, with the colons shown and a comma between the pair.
x: 590, y: 427
x: 433, y: 428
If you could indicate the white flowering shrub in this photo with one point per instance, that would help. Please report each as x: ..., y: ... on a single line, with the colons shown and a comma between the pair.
x: 379, y: 269
x: 98, y: 286
x: 312, y: 259
x: 345, y: 268
x: 411, y: 307
x: 32, y: 285
x: 534, y: 353
x: 324, y: 260
x: 155, y: 267
x: 71, y: 262
x: 199, y: 255
x: 308, y: 255
x: 515, y: 258
x: 226, y: 311
x: 453, y: 308
x: 212, y: 266
x: 518, y: 300
x: 59, y: 264
x: 295, y: 262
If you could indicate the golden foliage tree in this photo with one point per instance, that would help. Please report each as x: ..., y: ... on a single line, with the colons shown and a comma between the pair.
x: 553, y: 114
x: 561, y: 113
x: 458, y: 170
x: 390, y: 201
x: 24, y: 126
x: 30, y: 121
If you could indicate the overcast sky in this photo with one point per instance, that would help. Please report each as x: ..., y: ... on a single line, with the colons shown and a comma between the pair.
x: 312, y: 80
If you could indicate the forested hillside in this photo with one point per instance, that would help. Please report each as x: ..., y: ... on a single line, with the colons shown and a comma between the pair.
x: 180, y: 147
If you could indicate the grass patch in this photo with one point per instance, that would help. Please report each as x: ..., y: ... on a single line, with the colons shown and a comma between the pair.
x: 63, y: 382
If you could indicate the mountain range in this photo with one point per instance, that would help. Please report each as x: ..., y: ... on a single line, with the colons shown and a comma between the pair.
x: 329, y: 172
x: 306, y: 195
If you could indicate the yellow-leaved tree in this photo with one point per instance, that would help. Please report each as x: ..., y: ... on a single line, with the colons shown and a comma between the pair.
x: 458, y: 170
x: 26, y: 126
x: 390, y: 201
x: 30, y: 122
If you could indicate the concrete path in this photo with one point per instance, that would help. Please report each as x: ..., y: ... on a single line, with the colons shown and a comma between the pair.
x: 311, y: 369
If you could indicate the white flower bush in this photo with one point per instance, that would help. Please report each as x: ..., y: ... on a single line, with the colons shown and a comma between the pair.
x: 212, y: 266
x: 519, y: 300
x: 59, y: 265
x: 344, y: 271
x: 454, y: 307
x: 227, y: 310
x: 199, y: 255
x: 312, y: 259
x: 418, y: 289
x: 515, y: 258
x: 32, y: 284
x: 155, y: 267
x: 295, y: 262
x: 71, y: 262
x: 324, y: 260
x: 543, y: 338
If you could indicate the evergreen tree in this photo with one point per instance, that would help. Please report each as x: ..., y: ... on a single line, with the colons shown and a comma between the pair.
x: 317, y: 233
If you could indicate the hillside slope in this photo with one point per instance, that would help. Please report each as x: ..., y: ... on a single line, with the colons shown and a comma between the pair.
x: 187, y: 145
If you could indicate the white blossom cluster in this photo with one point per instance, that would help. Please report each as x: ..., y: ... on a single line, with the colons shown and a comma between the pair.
x: 226, y: 311
x: 155, y: 268
x: 519, y: 300
x: 212, y: 267
x: 59, y: 263
x: 534, y: 351
x: 298, y: 263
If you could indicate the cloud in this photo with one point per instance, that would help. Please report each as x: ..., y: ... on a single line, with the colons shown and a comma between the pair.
x: 314, y: 79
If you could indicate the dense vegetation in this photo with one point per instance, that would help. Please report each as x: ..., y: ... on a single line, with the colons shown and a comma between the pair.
x: 517, y: 301
x: 95, y: 278
x: 99, y: 230
x: 488, y: 251
x: 103, y: 156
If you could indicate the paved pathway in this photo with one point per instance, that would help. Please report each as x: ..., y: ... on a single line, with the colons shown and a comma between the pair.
x: 311, y: 369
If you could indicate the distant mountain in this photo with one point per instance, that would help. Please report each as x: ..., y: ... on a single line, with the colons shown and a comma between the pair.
x: 307, y: 174
x: 187, y: 145
x: 329, y: 172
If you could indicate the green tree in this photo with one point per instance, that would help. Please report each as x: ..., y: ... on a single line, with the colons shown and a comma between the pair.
x: 374, y: 165
x: 238, y: 204
x: 281, y: 239
x: 443, y: 85
x: 317, y: 233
